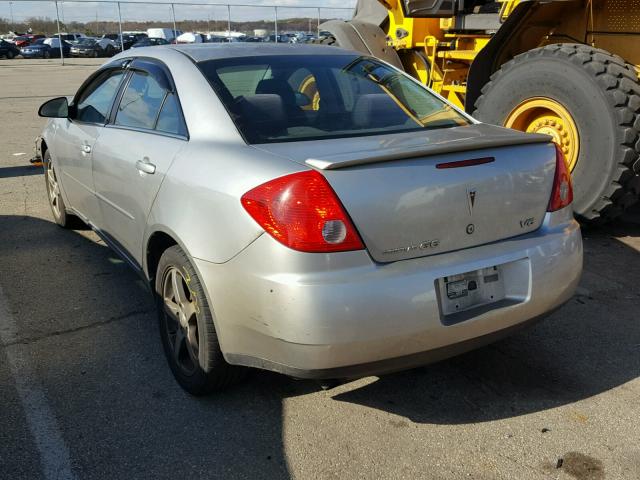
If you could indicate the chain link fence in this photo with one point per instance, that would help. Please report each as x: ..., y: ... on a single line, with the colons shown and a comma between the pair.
x: 99, y: 17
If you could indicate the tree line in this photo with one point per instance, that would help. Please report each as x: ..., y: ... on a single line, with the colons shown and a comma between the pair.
x: 48, y: 26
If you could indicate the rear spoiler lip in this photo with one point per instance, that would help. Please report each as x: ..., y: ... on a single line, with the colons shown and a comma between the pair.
x: 336, y: 162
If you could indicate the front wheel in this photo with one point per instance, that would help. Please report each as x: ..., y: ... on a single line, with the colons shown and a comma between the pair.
x: 588, y: 101
x: 56, y: 202
x: 187, y: 330
x: 10, y: 55
x: 46, y: 54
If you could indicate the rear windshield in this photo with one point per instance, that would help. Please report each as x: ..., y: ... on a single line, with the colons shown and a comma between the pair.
x: 301, y: 97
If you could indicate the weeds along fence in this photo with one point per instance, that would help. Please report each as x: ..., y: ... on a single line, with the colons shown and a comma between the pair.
x: 97, y: 17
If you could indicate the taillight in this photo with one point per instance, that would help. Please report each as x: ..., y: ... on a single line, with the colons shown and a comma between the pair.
x: 303, y: 212
x: 562, y: 193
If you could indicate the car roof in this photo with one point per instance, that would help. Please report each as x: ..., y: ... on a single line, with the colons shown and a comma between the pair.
x: 211, y: 51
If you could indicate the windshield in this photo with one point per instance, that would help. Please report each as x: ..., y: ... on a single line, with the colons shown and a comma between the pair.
x: 40, y: 41
x: 296, y: 97
x: 87, y: 42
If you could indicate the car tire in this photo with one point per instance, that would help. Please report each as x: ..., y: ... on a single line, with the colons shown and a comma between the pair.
x: 10, y: 55
x: 94, y: 54
x: 54, y: 194
x: 602, y: 94
x: 187, y: 329
x: 46, y: 54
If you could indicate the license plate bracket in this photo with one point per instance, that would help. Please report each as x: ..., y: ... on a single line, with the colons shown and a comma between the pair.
x: 469, y: 290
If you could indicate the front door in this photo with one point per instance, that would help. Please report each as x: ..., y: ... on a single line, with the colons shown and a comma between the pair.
x: 76, y: 138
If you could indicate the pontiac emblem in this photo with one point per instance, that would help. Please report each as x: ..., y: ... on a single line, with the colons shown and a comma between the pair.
x: 471, y: 195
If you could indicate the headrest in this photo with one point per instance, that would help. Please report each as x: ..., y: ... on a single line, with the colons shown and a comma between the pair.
x: 277, y: 87
x: 264, y: 113
x: 377, y: 110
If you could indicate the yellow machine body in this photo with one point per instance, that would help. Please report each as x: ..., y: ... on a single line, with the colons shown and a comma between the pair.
x: 434, y: 51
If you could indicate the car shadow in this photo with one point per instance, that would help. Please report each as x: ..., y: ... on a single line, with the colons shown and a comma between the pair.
x: 589, y: 346
x: 88, y: 325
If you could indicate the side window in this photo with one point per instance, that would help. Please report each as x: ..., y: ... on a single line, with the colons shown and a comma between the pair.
x: 170, y: 119
x: 141, y: 102
x: 94, y: 103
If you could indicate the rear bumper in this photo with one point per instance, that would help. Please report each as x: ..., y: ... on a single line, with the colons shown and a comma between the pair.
x: 343, y: 315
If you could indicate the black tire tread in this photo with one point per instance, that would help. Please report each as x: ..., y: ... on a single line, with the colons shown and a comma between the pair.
x: 218, y: 374
x: 619, y: 81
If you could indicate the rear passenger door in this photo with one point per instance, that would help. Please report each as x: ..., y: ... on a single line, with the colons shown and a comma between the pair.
x: 134, y: 152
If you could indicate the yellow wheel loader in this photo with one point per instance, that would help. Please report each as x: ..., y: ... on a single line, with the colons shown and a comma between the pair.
x: 565, y: 68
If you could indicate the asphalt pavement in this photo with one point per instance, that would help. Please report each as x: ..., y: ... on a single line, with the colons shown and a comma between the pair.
x: 85, y: 392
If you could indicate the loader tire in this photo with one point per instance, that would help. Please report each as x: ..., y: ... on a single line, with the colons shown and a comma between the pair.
x: 602, y: 94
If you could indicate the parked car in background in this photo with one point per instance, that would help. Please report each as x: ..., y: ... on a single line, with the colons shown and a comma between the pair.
x: 217, y: 39
x: 21, y: 41
x: 93, y: 47
x: 72, y: 37
x: 191, y: 37
x: 167, y: 33
x: 150, y: 42
x: 126, y: 40
x: 381, y: 229
x: 253, y: 39
x: 46, y: 48
x: 281, y: 38
x: 8, y: 50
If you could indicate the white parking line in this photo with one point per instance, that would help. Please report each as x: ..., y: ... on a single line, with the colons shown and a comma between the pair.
x: 54, y: 455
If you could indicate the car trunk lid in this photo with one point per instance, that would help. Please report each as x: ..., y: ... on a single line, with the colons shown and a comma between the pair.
x: 416, y: 195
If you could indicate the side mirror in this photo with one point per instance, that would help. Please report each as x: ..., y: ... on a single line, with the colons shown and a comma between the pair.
x: 56, y: 108
x: 302, y: 100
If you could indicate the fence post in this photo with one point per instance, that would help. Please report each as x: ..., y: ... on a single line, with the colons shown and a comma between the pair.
x: 175, y: 29
x: 318, y: 22
x: 276, y: 24
x: 120, y: 28
x: 59, y: 35
x: 228, y: 23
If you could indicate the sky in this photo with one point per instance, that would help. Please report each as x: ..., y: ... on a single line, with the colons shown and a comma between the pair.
x: 84, y: 10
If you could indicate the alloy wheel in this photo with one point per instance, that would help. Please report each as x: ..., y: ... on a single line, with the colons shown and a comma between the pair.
x: 181, y: 322
x: 54, y: 190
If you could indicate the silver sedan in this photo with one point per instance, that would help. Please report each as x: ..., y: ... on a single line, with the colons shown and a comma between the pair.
x: 309, y: 210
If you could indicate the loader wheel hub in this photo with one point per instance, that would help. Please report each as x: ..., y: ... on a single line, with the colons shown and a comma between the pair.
x: 543, y: 115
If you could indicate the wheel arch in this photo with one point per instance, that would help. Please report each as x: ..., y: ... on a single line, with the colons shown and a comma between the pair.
x: 157, y: 243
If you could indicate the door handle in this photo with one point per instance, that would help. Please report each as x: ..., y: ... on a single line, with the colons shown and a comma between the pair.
x: 86, y: 148
x: 145, y: 167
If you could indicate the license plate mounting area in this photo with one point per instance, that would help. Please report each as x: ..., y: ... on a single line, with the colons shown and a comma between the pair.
x: 467, y: 295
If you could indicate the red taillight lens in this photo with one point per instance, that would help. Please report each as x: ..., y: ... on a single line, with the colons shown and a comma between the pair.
x: 302, y: 212
x: 562, y: 193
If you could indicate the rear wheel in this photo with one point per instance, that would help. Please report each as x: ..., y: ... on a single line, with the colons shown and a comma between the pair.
x: 46, y: 54
x: 10, y: 55
x: 187, y: 330
x: 588, y: 100
x: 94, y: 54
